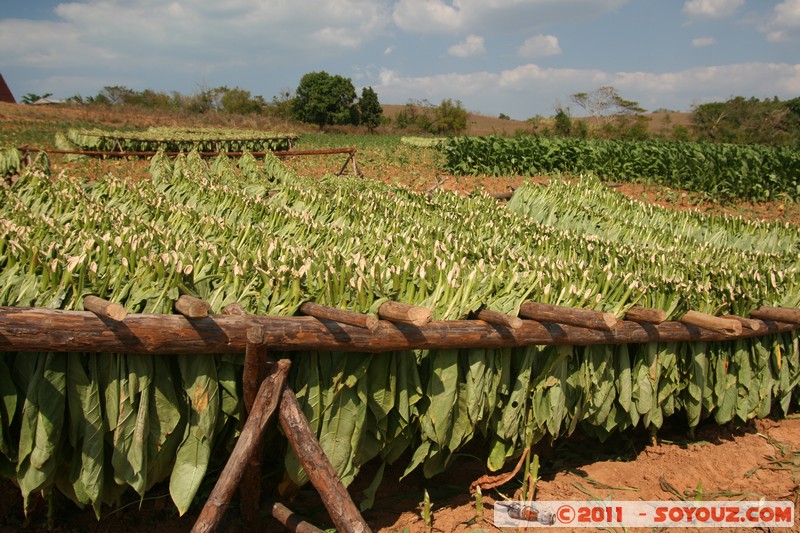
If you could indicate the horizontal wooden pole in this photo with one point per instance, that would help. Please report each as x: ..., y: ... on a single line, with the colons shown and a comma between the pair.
x: 404, y: 313
x: 339, y: 315
x: 748, y: 323
x: 646, y: 314
x: 778, y: 314
x: 712, y: 323
x: 502, y: 319
x: 104, y: 308
x: 584, y: 318
x: 29, y: 329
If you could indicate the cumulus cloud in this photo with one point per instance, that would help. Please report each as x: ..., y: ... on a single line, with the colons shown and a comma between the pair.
x: 470, y: 47
x: 202, y: 32
x: 703, y: 41
x: 539, y: 46
x: 711, y: 9
x: 498, y: 16
x: 531, y: 89
x: 783, y: 22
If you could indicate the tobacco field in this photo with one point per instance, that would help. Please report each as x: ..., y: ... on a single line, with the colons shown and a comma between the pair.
x: 252, y: 231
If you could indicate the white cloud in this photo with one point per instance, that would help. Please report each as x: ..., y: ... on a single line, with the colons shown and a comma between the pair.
x: 539, y: 46
x: 711, y: 9
x: 470, y: 47
x: 703, y: 41
x: 530, y: 89
x: 783, y: 22
x: 497, y: 16
x: 204, y: 34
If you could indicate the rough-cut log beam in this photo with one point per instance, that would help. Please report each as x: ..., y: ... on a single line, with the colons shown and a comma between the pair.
x: 27, y: 329
x: 502, y: 319
x: 104, y: 308
x: 778, y: 314
x: 646, y: 314
x: 404, y: 313
x: 321, y: 473
x: 269, y: 394
x: 192, y: 307
x: 585, y: 318
x: 339, y: 315
x: 712, y: 323
x: 748, y: 323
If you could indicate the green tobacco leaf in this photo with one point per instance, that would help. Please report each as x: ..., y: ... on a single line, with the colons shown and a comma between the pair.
x: 199, y: 378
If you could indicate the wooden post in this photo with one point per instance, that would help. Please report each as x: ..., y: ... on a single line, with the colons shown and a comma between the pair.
x: 253, y: 374
x: 777, y: 314
x: 269, y: 395
x: 342, y: 316
x: 407, y: 314
x: 584, y: 318
x: 502, y: 319
x: 104, y: 308
x: 646, y: 314
x: 192, y: 307
x: 321, y: 473
x: 712, y: 323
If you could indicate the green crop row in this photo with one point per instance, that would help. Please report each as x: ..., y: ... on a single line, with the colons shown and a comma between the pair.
x: 719, y: 170
x: 175, y: 140
x: 94, y: 425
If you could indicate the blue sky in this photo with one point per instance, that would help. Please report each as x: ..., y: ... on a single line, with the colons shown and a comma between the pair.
x: 519, y: 57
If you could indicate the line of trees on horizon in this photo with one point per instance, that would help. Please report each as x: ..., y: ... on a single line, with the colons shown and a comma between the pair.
x: 327, y: 100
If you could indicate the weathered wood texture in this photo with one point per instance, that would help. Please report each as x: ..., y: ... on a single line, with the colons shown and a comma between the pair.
x: 334, y: 495
x: 778, y: 314
x: 38, y: 329
x: 646, y: 314
x: 405, y: 314
x: 712, y: 323
x: 269, y: 394
x: 339, y: 315
x: 104, y: 308
x: 585, y: 318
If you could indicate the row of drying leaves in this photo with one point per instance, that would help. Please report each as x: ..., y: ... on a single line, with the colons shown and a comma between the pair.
x: 252, y: 232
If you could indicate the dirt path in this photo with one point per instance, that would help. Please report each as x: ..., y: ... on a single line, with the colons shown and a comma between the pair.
x: 759, y: 460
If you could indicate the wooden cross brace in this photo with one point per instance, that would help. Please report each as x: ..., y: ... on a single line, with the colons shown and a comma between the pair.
x: 265, y: 391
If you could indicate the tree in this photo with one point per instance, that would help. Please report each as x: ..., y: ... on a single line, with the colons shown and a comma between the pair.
x: 562, y: 121
x: 604, y: 102
x: 239, y: 101
x: 450, y: 117
x: 323, y: 99
x: 371, y: 110
x: 31, y: 97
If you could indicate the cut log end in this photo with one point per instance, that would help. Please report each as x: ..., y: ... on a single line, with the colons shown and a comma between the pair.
x: 408, y: 314
x: 104, y: 308
x: 192, y: 307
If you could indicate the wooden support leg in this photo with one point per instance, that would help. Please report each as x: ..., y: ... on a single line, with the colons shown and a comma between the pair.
x: 337, y: 501
x: 255, y: 368
x: 266, y: 401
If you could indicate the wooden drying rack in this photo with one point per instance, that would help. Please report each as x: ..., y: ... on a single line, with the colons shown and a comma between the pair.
x: 107, y: 327
x: 25, y: 152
